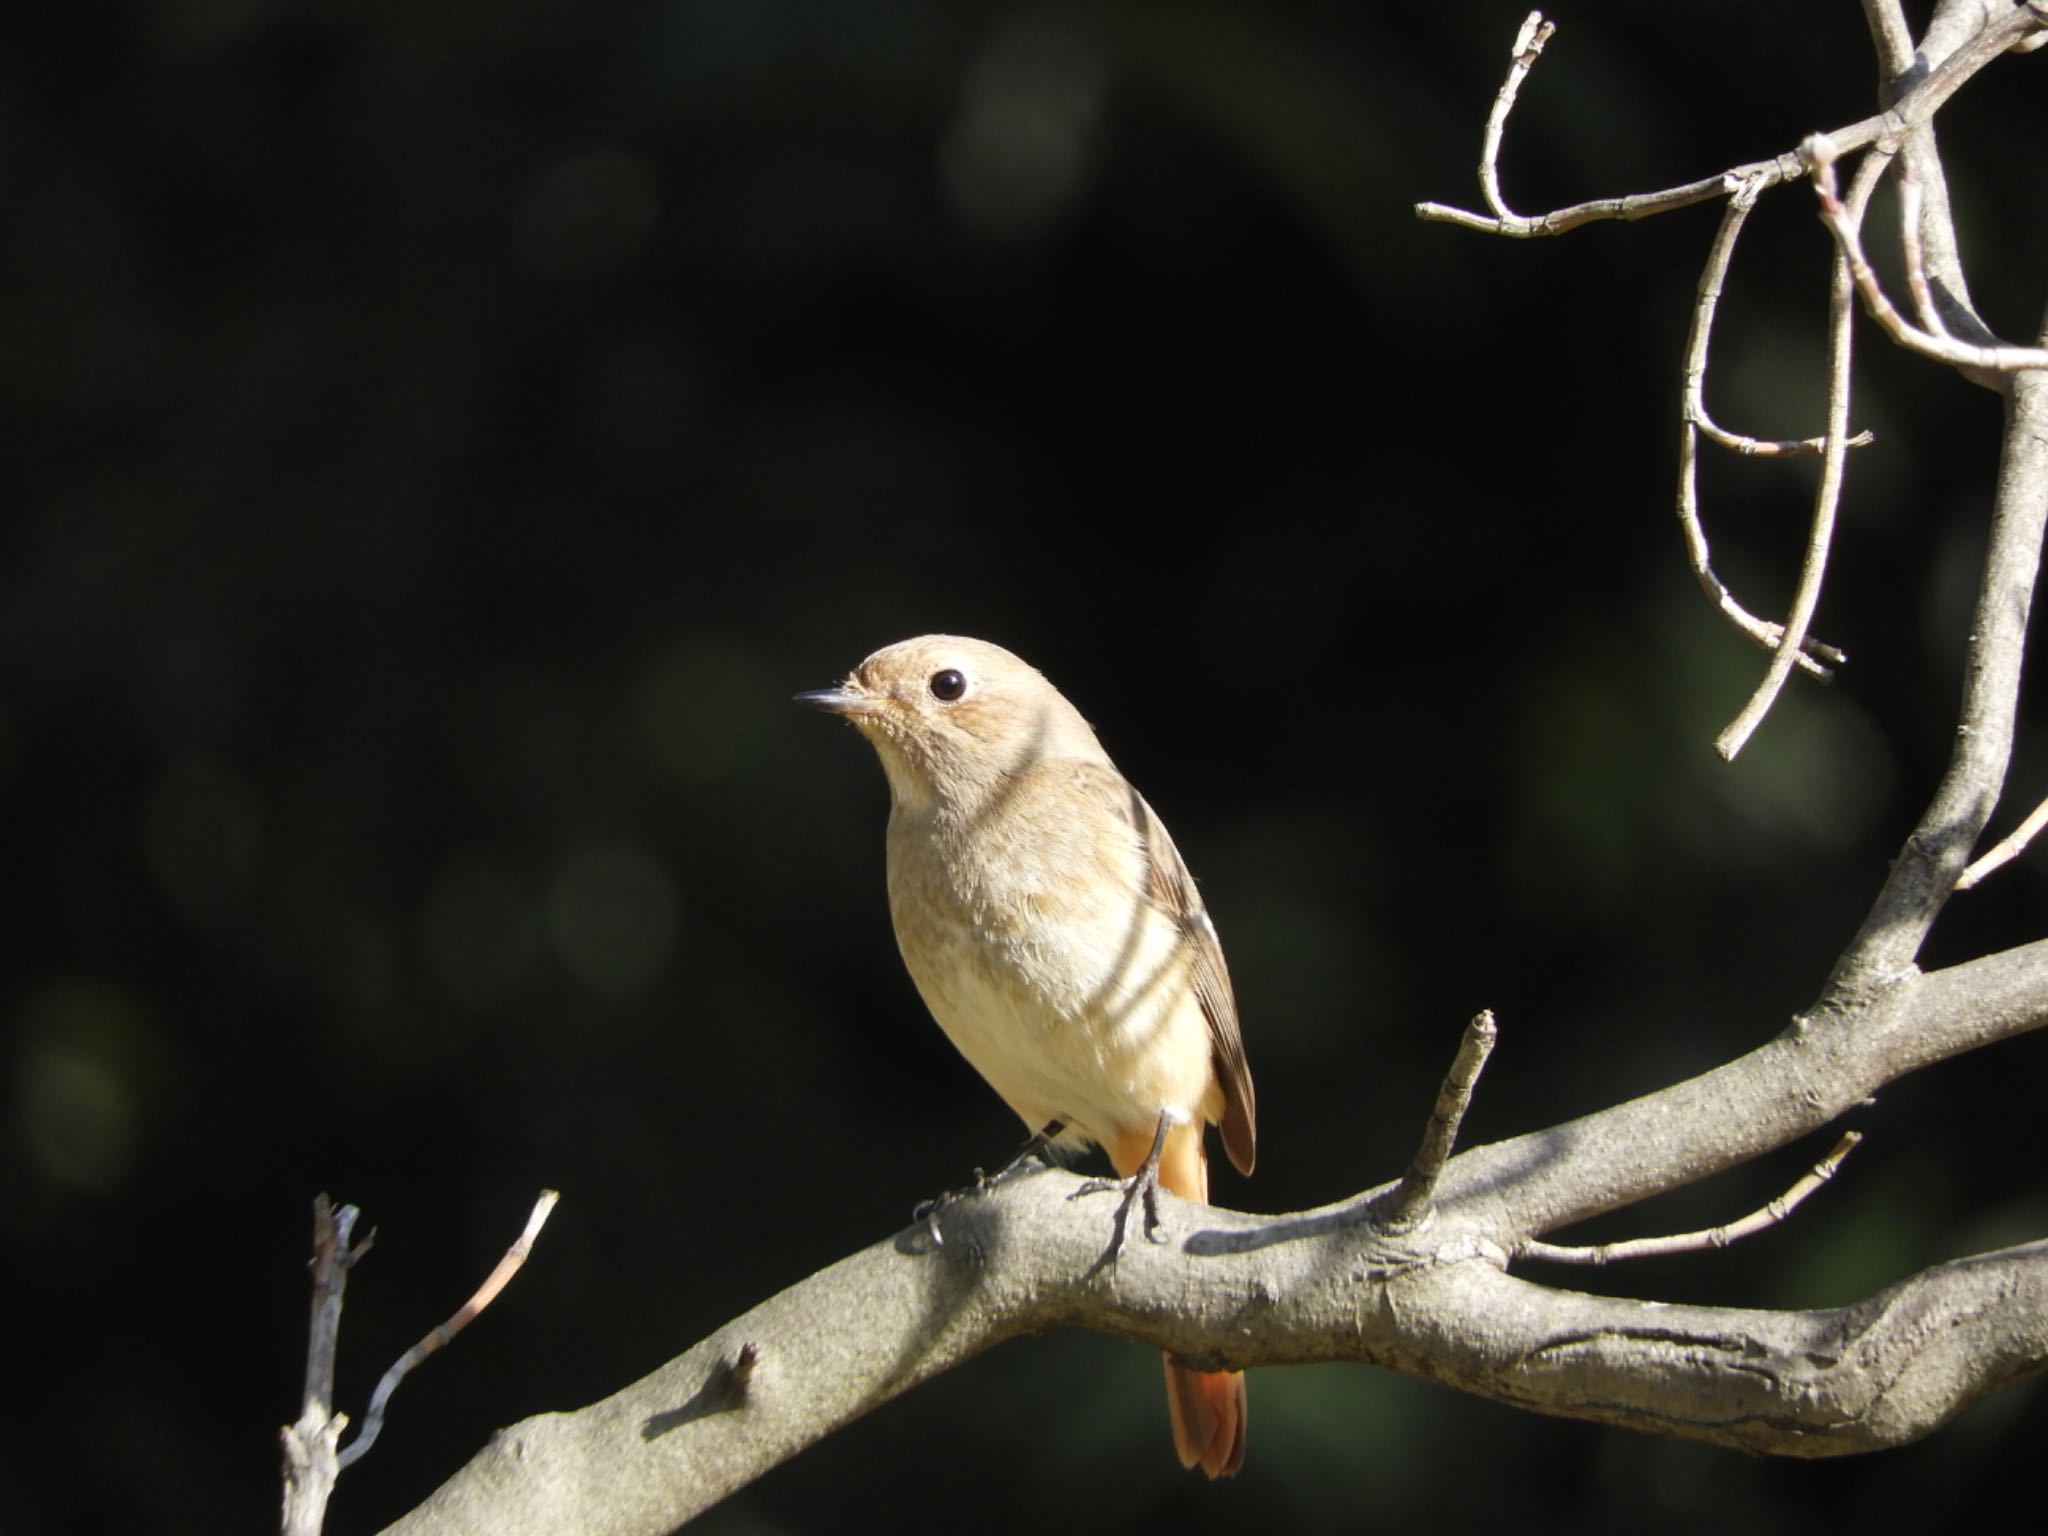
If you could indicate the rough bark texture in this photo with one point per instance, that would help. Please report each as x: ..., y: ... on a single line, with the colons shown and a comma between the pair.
x: 1438, y: 1301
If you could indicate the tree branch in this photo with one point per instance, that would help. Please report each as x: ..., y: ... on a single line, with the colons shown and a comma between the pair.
x: 1697, y: 1242
x: 1411, y: 1196
x: 1913, y: 110
x: 1827, y: 496
x: 1231, y: 1290
x: 1927, y: 868
x: 439, y: 1335
x: 311, y: 1462
x: 1695, y: 423
x: 1992, y: 357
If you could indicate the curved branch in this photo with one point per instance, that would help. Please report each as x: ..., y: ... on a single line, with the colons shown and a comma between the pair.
x: 1826, y: 1382
x: 1695, y: 422
x: 1827, y: 495
x: 1912, y: 111
x: 1979, y: 357
x: 1933, y: 859
x: 1829, y: 1382
x: 1821, y: 1066
x: 1232, y: 1290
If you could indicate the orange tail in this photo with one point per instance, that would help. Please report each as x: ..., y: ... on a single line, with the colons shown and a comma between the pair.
x: 1207, y: 1408
x: 1208, y: 1413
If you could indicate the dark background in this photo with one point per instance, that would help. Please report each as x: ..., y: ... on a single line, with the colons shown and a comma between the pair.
x: 442, y: 436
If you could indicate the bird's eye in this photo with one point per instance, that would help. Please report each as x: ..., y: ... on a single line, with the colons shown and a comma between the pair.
x: 948, y: 685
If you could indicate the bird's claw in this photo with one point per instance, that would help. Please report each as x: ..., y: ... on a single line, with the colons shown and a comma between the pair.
x: 1035, y: 1151
x: 926, y: 1212
x: 1138, y: 1190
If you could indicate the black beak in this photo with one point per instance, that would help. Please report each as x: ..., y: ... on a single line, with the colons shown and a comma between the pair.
x: 835, y: 701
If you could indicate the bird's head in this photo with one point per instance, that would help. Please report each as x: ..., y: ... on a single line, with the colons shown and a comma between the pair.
x: 952, y: 718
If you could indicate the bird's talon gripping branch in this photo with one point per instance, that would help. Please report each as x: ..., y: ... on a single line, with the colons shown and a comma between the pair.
x: 1037, y: 1149
x: 1141, y: 1187
x: 926, y: 1213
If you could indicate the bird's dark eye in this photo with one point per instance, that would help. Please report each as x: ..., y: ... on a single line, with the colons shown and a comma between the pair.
x: 948, y: 685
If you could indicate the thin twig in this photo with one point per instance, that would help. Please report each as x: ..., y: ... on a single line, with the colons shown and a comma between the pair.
x: 2008, y: 848
x: 494, y: 1282
x: 1995, y: 357
x: 1694, y: 422
x: 1827, y: 495
x: 1695, y: 1242
x: 1441, y: 1133
x: 1891, y: 125
x: 1911, y: 249
x: 1891, y: 35
x: 310, y: 1461
x: 1771, y: 447
x: 1528, y: 44
x: 1713, y: 276
x: 1933, y: 222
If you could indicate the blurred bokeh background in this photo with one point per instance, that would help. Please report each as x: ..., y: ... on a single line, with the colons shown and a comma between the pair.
x: 439, y: 439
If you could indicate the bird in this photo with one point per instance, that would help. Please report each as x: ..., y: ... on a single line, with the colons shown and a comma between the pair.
x: 1055, y: 934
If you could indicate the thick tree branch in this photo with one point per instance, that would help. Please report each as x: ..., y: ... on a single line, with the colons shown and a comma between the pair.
x: 1821, y: 1066
x: 1238, y: 1290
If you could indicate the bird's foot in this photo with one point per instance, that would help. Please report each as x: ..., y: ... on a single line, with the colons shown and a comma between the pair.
x: 1038, y: 1149
x: 1140, y: 1189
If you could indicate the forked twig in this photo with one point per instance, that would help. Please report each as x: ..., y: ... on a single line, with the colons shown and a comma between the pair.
x: 2002, y: 357
x: 1695, y: 423
x: 1712, y: 278
x: 1909, y: 112
x: 1827, y: 495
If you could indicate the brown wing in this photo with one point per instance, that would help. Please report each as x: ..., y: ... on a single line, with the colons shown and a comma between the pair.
x: 1172, y: 890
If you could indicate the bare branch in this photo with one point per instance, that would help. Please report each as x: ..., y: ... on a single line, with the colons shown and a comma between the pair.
x: 1997, y: 357
x: 1930, y: 225
x: 1932, y: 860
x: 1827, y: 495
x: 1699, y: 343
x: 1412, y: 1194
x: 1695, y: 1242
x: 494, y: 1282
x: 2007, y: 849
x: 1823, y: 1065
x: 1912, y: 111
x: 1694, y: 421
x: 310, y: 1462
x: 1912, y: 248
x: 1890, y: 35
x: 1528, y: 44
x: 1232, y: 1290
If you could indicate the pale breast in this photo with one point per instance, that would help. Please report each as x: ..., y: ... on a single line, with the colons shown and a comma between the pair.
x: 1030, y: 938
